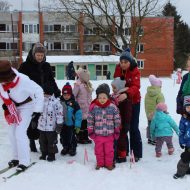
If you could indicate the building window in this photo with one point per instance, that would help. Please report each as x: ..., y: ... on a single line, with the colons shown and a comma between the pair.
x: 31, y: 28
x: 88, y: 48
x: 2, y: 27
x: 48, y: 28
x: 101, y: 70
x: 140, y: 30
x: 57, y: 28
x: 140, y: 64
x: 88, y: 31
x: 140, y: 48
x: 57, y: 45
x: 96, y: 47
x: 71, y: 46
x: 107, y: 48
x: 8, y: 46
x: 127, y: 31
x: 70, y: 28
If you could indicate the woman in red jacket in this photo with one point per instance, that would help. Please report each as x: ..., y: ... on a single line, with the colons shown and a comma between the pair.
x: 128, y: 70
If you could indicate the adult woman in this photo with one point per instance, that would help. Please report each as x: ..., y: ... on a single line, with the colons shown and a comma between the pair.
x: 38, y: 70
x: 127, y: 69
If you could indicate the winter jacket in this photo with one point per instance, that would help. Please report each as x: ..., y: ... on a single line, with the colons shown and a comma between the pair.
x: 132, y: 77
x: 70, y: 71
x: 52, y: 114
x: 24, y: 89
x: 103, y: 121
x: 152, y: 98
x: 184, y: 134
x: 83, y: 97
x: 162, y: 125
x: 71, y: 112
x: 179, y: 98
x: 41, y: 73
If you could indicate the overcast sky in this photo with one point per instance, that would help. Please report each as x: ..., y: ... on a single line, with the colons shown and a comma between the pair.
x: 183, y: 7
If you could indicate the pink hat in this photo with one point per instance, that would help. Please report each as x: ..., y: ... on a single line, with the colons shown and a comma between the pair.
x: 162, y: 107
x: 154, y: 81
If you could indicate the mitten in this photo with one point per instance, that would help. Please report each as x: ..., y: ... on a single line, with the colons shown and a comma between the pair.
x: 77, y: 130
x: 4, y: 107
x: 58, y: 128
x: 34, y: 121
x: 182, y: 146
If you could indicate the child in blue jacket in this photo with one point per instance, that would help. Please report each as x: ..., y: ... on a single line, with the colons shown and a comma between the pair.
x: 72, y: 121
x: 184, y: 141
x: 161, y: 128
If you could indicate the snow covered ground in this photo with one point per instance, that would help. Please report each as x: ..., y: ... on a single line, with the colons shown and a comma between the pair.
x: 70, y: 173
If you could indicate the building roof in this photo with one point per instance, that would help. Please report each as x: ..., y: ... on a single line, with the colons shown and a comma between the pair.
x: 81, y: 59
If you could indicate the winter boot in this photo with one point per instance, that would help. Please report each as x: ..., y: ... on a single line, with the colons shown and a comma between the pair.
x: 43, y: 156
x: 21, y: 168
x: 170, y: 151
x: 158, y: 154
x: 13, y: 163
x: 72, y: 151
x: 188, y: 171
x: 121, y: 160
x: 176, y: 176
x: 65, y: 151
x: 33, y: 146
x: 51, y: 157
x: 111, y: 167
x: 97, y: 167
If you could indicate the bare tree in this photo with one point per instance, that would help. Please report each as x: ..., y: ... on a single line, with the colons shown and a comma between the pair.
x: 117, y: 21
x: 4, y: 6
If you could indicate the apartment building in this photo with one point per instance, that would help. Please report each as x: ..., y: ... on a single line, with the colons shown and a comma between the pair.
x: 64, y: 36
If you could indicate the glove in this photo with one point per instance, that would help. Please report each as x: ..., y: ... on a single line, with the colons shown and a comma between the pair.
x: 4, y: 107
x: 34, y: 121
x: 77, y: 130
x: 58, y: 128
x: 182, y: 146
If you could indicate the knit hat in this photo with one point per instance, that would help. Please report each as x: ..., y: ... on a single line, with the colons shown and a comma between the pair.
x: 161, y: 107
x: 118, y: 83
x: 6, y: 72
x: 126, y: 55
x: 103, y: 88
x: 67, y: 89
x: 186, y: 101
x: 84, y: 75
x: 38, y: 48
x: 48, y: 89
x: 154, y: 81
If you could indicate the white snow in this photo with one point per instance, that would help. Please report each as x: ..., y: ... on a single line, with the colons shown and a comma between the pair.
x: 150, y: 173
x: 81, y: 59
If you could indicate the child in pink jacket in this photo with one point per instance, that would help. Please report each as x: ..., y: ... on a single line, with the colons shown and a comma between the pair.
x: 83, y: 94
x: 103, y: 126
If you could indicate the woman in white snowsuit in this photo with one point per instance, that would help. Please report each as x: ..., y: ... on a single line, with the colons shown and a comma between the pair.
x: 22, y: 99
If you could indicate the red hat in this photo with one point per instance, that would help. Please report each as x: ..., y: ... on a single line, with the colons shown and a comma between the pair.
x: 67, y: 89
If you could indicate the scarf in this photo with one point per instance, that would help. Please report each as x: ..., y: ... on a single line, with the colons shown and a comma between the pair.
x: 11, y: 114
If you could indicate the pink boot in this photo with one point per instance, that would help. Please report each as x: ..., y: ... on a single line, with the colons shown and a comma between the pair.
x: 170, y: 151
x: 158, y: 154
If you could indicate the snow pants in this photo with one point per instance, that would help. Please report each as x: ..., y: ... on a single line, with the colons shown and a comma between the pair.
x: 104, y: 150
x: 19, y: 139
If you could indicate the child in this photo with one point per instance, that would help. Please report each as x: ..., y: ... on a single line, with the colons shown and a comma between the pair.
x: 152, y: 98
x: 184, y: 141
x: 125, y: 108
x: 83, y: 94
x: 103, y: 126
x: 50, y: 122
x: 23, y: 99
x: 72, y: 121
x: 161, y: 129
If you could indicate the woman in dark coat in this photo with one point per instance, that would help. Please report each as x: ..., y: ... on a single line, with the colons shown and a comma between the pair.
x: 38, y: 70
x: 128, y: 70
x: 71, y: 71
